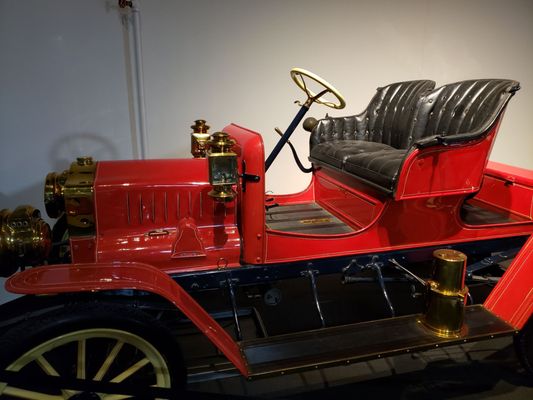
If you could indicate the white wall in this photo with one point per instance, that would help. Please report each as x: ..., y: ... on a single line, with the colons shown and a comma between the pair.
x: 64, y: 87
x: 65, y: 92
x: 62, y: 91
x: 229, y: 61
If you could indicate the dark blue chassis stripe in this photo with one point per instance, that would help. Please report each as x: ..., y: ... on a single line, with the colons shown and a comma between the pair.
x: 259, y: 274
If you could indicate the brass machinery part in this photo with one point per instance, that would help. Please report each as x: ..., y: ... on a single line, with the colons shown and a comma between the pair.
x: 447, y: 294
x: 222, y: 162
x: 199, y: 139
x: 25, y: 239
x: 71, y: 192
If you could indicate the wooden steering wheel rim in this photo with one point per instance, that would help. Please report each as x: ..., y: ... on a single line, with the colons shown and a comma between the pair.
x: 299, y: 72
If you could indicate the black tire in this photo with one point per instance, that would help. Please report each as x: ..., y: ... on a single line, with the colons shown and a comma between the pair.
x: 523, y: 343
x: 100, y: 326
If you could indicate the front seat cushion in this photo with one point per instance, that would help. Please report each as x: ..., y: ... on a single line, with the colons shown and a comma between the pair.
x: 378, y: 167
x: 335, y: 153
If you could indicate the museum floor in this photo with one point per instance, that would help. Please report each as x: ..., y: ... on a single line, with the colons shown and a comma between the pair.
x: 483, y: 370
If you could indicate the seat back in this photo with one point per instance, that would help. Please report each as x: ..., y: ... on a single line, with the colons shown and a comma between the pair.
x: 458, y: 125
x: 462, y: 107
x: 391, y: 113
x: 389, y: 118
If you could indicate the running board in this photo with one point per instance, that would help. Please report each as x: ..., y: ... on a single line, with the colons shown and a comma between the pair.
x: 362, y: 341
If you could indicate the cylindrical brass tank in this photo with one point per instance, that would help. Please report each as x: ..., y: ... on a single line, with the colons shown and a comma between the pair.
x: 447, y: 294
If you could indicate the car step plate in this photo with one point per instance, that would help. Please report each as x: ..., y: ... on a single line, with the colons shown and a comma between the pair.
x: 361, y: 341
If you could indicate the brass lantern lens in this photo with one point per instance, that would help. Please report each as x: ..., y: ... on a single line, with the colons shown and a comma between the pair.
x: 223, y: 169
x: 223, y: 173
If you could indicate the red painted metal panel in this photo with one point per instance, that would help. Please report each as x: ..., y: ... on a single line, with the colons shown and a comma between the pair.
x: 141, y: 205
x: 113, y: 276
x: 250, y: 150
x: 512, y: 298
x: 445, y: 170
x: 405, y: 224
x: 507, y: 195
x: 83, y: 249
x: 305, y: 196
x: 509, y: 173
x: 357, y: 208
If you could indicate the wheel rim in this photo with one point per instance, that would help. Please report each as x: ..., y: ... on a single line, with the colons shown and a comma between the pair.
x: 300, y: 73
x: 125, y: 356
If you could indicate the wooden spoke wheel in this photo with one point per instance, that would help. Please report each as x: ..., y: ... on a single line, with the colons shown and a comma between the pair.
x: 116, y: 347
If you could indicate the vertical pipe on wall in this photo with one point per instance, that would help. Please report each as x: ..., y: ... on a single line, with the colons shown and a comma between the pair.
x: 131, y: 20
x: 141, y: 108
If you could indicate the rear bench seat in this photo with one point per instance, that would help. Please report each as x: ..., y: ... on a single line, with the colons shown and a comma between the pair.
x: 403, y: 117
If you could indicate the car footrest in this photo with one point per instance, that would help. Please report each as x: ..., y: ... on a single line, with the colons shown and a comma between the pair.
x: 361, y: 341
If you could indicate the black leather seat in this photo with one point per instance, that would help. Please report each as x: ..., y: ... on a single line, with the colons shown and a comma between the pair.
x: 335, y: 153
x: 373, y: 136
x: 379, y: 167
x: 403, y: 116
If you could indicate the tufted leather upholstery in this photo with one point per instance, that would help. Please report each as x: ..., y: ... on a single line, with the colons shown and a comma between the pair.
x: 336, y: 152
x: 379, y: 167
x: 401, y: 116
x: 463, y: 109
x: 387, y: 118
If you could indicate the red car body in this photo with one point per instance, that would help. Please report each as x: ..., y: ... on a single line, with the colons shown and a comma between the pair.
x: 200, y: 240
x: 155, y: 220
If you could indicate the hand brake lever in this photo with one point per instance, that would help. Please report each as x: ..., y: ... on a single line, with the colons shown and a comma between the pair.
x: 295, y: 154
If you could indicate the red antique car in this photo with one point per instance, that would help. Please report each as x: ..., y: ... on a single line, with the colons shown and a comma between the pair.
x: 406, y: 239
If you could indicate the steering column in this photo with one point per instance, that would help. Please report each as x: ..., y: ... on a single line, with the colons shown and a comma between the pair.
x: 297, y: 75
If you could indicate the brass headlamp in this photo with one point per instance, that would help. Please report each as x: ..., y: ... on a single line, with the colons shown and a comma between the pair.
x: 223, y: 173
x: 72, y: 192
x: 25, y: 239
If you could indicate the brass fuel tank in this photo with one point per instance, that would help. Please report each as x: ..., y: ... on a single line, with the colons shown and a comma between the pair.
x: 447, y: 294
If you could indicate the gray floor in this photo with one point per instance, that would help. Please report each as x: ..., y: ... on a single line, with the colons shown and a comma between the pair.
x: 487, y: 370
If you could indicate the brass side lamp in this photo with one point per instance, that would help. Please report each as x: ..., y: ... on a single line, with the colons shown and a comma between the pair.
x: 199, y: 138
x: 223, y: 173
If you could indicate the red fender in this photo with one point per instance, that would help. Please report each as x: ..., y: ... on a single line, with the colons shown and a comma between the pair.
x: 512, y: 298
x: 71, y: 278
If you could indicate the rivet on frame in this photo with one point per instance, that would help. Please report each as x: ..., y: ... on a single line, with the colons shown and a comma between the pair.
x: 222, y: 263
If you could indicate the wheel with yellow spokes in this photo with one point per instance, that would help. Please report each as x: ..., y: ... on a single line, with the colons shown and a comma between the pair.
x: 74, y: 352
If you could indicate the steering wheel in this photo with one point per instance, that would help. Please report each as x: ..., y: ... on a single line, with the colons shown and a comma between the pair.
x: 297, y: 75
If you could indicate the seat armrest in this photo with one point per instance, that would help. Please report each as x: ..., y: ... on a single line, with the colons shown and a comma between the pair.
x: 427, y: 142
x: 447, y: 140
